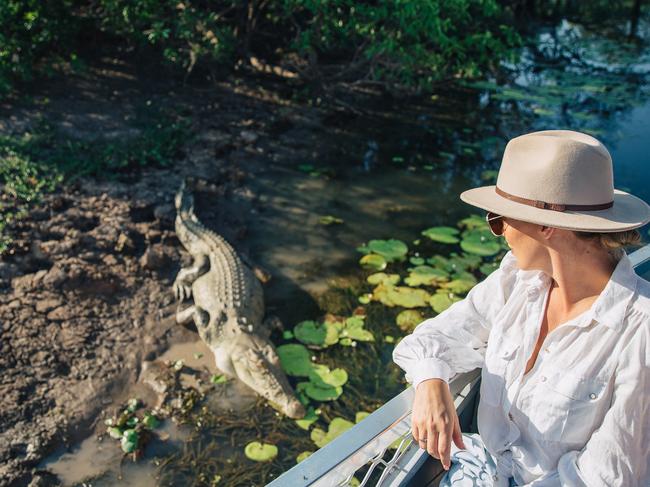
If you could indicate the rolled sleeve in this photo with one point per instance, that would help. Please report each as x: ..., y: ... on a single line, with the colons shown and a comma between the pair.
x: 455, y: 341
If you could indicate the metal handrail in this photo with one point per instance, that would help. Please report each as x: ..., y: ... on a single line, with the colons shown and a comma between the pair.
x: 368, y: 440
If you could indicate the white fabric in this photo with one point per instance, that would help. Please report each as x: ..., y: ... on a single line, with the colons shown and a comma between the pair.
x: 582, y: 415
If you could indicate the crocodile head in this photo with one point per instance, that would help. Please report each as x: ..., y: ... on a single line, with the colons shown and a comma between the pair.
x: 254, y: 361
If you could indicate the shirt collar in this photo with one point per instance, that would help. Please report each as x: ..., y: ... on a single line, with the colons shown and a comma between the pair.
x: 611, y: 305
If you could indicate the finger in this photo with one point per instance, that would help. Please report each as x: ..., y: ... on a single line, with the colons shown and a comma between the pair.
x: 458, y: 435
x: 415, y: 431
x: 444, y: 448
x: 432, y: 443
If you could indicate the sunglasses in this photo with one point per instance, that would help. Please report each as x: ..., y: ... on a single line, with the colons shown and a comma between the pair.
x: 496, y: 223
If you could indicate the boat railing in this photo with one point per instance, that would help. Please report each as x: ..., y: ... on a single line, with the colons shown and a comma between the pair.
x: 368, y: 442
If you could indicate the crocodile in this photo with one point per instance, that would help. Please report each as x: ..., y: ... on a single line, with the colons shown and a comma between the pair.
x: 228, y: 308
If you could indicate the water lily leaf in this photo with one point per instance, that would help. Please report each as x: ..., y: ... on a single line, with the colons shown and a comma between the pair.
x: 416, y: 261
x: 260, y: 452
x: 319, y: 437
x: 463, y: 262
x: 365, y: 298
x: 338, y: 426
x: 322, y: 376
x: 390, y: 250
x: 458, y: 286
x: 346, y: 342
x: 287, y: 334
x: 373, y: 261
x: 295, y: 359
x: 389, y: 339
x: 403, y: 296
x: 354, y: 330
x: 446, y: 235
x: 303, y: 455
x: 150, y: 421
x: 360, y: 416
x: 310, y: 418
x: 426, y: 275
x: 442, y: 300
x: 129, y: 441
x: 489, y: 267
x: 383, y: 278
x: 408, y: 319
x: 473, y: 221
x: 320, y: 393
x: 313, y: 333
x: 480, y: 242
x: 114, y: 432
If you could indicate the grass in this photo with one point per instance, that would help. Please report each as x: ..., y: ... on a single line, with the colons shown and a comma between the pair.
x: 38, y: 162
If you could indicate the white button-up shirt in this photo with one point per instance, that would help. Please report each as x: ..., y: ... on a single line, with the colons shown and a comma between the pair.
x: 581, y: 416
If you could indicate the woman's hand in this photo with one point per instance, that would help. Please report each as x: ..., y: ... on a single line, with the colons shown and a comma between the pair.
x: 434, y: 421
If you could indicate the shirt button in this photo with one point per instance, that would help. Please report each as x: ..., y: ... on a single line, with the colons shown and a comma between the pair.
x: 542, y: 378
x: 593, y: 395
x: 510, y: 416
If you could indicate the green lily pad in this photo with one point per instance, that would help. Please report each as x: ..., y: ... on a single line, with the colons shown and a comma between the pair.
x: 114, y: 432
x: 303, y: 455
x: 373, y: 261
x: 389, y: 339
x: 416, y: 261
x: 442, y: 300
x: 313, y: 333
x: 480, y: 242
x: 295, y: 359
x: 310, y: 418
x: 383, y: 278
x: 129, y: 441
x: 360, y: 416
x: 391, y: 249
x: 337, y: 427
x: 346, y: 342
x: 287, y: 334
x: 260, y: 452
x: 426, y: 275
x: 408, y: 319
x: 458, y: 286
x: 403, y: 296
x: 488, y: 268
x: 446, y: 235
x: 150, y: 421
x: 320, y: 393
x: 322, y: 376
x: 354, y: 330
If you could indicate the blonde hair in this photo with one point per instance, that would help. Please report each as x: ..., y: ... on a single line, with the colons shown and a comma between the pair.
x: 614, y: 242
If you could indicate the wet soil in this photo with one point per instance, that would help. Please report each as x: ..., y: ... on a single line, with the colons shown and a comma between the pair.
x: 86, y: 293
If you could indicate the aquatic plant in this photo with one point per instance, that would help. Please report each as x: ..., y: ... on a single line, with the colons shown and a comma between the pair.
x: 336, y: 427
x: 260, y: 452
x: 448, y: 235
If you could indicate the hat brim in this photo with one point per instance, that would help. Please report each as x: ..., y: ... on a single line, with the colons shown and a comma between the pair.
x: 628, y: 212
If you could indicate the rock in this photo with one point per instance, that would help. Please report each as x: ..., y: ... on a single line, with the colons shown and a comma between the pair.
x: 165, y: 213
x: 28, y: 281
x: 47, y: 305
x: 60, y: 313
x: 154, y: 258
x: 54, y: 277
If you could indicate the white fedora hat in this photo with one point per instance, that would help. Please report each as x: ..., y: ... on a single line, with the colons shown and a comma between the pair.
x: 563, y: 179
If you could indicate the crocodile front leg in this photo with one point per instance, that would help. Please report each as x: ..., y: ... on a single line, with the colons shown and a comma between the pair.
x: 187, y: 275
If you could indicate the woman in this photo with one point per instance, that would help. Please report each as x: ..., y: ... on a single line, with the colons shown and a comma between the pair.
x: 561, y: 331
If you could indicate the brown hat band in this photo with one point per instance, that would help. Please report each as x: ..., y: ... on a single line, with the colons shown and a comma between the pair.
x: 552, y: 206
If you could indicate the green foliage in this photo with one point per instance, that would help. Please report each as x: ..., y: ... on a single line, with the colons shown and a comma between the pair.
x: 37, y: 162
x: 397, y: 44
x: 34, y: 34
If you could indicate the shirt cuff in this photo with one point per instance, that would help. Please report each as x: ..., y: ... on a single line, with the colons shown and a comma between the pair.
x: 430, y: 368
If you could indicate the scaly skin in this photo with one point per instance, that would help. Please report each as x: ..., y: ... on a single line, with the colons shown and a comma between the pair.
x: 228, y: 309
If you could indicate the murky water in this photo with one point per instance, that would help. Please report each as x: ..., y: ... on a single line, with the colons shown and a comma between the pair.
x: 390, y: 175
